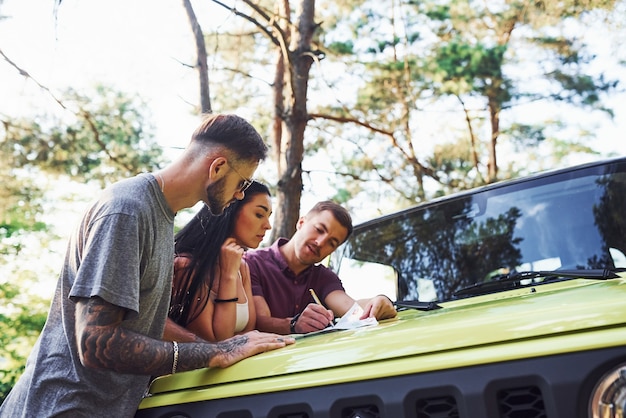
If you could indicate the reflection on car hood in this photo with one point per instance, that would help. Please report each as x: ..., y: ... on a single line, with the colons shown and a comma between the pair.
x: 548, y: 319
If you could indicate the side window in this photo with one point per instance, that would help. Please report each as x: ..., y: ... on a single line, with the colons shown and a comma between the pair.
x: 363, y: 280
x: 619, y: 259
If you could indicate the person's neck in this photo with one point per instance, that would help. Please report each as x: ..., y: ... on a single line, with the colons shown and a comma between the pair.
x: 178, y: 187
x: 288, y: 251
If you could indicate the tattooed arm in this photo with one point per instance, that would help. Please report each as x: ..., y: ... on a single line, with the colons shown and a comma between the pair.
x: 104, y: 344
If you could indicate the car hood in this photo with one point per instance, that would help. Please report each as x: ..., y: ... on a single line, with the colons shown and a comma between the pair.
x: 528, y: 322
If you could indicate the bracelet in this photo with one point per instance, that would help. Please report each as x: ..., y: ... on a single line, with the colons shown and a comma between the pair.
x: 292, y: 323
x: 175, y: 363
x: 225, y: 300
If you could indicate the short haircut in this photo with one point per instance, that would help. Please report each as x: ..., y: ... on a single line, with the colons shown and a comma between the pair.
x: 233, y: 133
x: 339, y: 212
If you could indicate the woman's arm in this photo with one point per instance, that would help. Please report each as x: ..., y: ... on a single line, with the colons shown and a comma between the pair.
x: 247, y: 287
x: 216, y: 321
x: 228, y: 291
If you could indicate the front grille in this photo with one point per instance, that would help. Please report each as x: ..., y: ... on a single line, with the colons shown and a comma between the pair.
x: 543, y: 387
x: 438, y: 407
x: 522, y: 402
x: 363, y: 411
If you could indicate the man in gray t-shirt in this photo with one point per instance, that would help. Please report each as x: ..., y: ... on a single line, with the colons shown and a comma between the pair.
x: 106, y: 332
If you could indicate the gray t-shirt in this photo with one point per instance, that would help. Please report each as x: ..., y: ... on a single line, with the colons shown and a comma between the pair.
x: 123, y: 252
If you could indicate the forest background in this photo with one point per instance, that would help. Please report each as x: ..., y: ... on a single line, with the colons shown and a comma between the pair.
x: 377, y: 105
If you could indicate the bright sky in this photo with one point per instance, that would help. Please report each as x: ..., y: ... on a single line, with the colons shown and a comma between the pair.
x: 135, y: 46
x: 138, y: 46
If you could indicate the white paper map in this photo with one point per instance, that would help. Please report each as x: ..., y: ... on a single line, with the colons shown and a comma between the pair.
x: 349, y: 320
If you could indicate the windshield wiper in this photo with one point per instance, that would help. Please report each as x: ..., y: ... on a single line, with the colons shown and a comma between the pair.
x: 514, y: 280
x: 420, y: 306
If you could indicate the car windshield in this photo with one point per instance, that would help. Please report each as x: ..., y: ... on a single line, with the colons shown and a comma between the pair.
x: 568, y: 219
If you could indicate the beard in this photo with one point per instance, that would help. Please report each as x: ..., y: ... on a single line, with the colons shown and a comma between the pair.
x: 215, y: 197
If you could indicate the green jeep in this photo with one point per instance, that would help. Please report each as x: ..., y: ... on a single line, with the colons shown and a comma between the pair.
x: 511, y: 304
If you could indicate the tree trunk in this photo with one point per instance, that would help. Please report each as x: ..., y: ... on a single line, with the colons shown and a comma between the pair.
x: 494, y: 116
x: 201, y: 64
x: 294, y: 116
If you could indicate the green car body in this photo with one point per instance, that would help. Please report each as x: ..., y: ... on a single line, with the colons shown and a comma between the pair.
x: 535, y: 348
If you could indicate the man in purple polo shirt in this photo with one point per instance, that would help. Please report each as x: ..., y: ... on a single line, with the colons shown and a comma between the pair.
x: 282, y: 275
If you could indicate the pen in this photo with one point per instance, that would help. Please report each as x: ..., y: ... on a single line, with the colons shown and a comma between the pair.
x: 317, y: 300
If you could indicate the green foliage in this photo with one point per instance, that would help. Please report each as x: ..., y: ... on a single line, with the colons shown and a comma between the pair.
x: 20, y: 201
x: 525, y: 135
x: 454, y: 167
x: 22, y: 316
x: 389, y: 69
x: 105, y: 137
x: 462, y: 68
x: 341, y: 48
x: 416, y: 56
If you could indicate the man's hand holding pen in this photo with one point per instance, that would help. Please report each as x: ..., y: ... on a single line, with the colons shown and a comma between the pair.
x: 314, y: 318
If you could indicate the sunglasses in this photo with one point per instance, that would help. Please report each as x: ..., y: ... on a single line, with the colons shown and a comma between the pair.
x: 244, y: 183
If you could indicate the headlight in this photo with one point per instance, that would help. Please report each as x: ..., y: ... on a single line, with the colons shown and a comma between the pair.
x: 608, y: 399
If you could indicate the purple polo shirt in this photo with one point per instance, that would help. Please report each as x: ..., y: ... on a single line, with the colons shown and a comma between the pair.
x: 287, y: 294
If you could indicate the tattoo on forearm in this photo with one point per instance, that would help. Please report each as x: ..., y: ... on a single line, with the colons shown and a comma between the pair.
x: 105, y: 344
x: 194, y: 356
x: 232, y: 344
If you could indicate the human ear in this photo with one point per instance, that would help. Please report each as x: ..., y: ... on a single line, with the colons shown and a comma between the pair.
x: 217, y: 165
